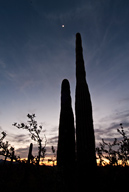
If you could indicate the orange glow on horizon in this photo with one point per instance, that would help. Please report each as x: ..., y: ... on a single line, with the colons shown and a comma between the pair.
x: 45, y: 162
x: 50, y: 163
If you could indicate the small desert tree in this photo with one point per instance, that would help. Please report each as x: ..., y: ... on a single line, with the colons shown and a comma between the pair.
x: 34, y: 131
x: 107, y: 151
x: 6, y: 149
x: 123, y: 151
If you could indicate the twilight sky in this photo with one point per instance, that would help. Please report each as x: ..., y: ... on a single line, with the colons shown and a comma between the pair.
x: 36, y: 54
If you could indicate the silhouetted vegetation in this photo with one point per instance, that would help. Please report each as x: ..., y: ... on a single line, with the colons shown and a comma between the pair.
x: 6, y: 149
x: 115, y: 152
x: 34, y: 131
x: 83, y: 109
x: 66, y: 141
x: 71, y: 174
x: 86, y: 160
x: 30, y: 156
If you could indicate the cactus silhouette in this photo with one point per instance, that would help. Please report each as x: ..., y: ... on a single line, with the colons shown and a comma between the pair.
x: 66, y: 141
x: 83, y: 109
x: 12, y: 156
x: 30, y: 153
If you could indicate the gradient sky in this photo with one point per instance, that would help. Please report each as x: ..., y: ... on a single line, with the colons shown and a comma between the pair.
x: 36, y: 54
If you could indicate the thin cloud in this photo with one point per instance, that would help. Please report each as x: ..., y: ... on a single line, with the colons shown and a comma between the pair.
x: 120, y: 116
x: 110, y: 132
x: 53, y: 140
x: 21, y: 138
x: 18, y: 139
x: 2, y: 64
x: 23, y: 152
x: 124, y: 100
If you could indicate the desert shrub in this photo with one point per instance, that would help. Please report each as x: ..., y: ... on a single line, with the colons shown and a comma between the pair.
x: 115, y: 151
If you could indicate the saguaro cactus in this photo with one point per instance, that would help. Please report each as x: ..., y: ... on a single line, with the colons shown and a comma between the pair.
x: 83, y: 108
x: 66, y: 141
x: 30, y: 152
x: 12, y: 155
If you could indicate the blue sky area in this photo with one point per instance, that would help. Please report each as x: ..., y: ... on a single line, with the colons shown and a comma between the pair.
x: 36, y: 54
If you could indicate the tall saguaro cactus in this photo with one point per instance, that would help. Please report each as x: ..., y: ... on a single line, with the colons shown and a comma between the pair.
x: 66, y: 140
x: 83, y: 108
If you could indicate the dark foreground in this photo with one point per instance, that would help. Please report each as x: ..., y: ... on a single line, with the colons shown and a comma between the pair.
x: 46, y: 179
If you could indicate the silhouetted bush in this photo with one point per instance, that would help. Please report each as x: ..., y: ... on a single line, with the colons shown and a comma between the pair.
x: 115, y: 151
x: 33, y: 129
x: 7, y: 150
